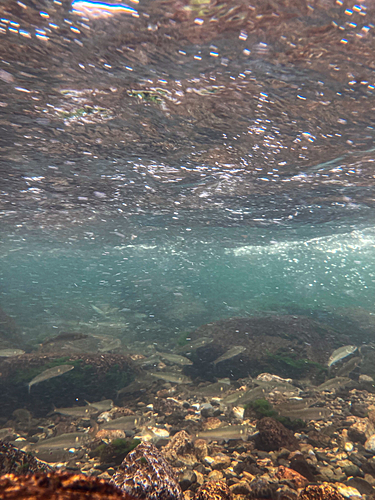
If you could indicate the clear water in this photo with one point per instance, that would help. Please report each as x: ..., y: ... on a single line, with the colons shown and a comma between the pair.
x: 187, y: 162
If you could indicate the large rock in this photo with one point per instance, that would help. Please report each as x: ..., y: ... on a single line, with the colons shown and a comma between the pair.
x: 15, y: 461
x: 55, y: 486
x: 213, y: 490
x: 289, y: 346
x: 180, y: 450
x: 273, y: 435
x: 323, y: 491
x: 145, y: 474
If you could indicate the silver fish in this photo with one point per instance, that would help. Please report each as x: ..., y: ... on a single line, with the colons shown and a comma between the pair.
x: 349, y: 366
x: 56, y: 371
x: 104, y: 405
x: 174, y: 378
x: 341, y: 353
x: 233, y: 352
x: 71, y: 440
x: 127, y: 423
x: 195, y: 344
x: 110, y: 345
x: 175, y: 358
x: 77, y: 411
x: 334, y: 383
x: 307, y: 414
x: 228, y: 432
x: 9, y: 353
x: 97, y: 310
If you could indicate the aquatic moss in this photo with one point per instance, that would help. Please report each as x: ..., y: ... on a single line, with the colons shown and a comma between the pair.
x: 292, y: 366
x: 261, y: 408
x: 147, y: 95
x: 182, y: 340
x: 114, y: 452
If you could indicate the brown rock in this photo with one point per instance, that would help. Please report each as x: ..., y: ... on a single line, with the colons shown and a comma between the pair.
x: 273, y: 436
x: 15, y: 461
x: 56, y: 486
x: 213, y: 490
x: 145, y: 474
x: 290, y: 475
x: 180, y: 450
x: 241, y: 488
x: 286, y: 493
x: 200, y: 448
x: 215, y: 475
x: 323, y: 491
x: 220, y: 462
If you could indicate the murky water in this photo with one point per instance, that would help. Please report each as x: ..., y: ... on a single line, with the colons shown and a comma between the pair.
x: 174, y: 163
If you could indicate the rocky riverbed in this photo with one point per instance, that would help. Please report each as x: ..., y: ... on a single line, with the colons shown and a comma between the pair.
x: 203, y: 446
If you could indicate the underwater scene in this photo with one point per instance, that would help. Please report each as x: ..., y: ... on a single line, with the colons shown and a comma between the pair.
x: 187, y: 249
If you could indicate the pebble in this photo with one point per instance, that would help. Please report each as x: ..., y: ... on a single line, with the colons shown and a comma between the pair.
x: 241, y: 488
x: 221, y: 462
x: 348, y: 446
x: 370, y: 444
x: 215, y: 475
x: 348, y: 491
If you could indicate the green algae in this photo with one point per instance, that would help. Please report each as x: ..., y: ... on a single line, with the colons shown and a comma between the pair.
x: 115, y: 451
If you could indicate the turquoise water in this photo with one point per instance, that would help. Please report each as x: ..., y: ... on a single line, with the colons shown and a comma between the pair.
x: 161, y: 287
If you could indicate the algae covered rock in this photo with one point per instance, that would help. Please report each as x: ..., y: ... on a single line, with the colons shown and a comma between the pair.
x: 94, y: 376
x: 115, y: 451
x: 15, y: 461
x: 145, y: 474
x: 286, y: 345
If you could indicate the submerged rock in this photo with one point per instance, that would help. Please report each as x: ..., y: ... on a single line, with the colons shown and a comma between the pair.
x: 323, y: 491
x: 296, y: 346
x: 15, y: 461
x: 180, y: 450
x: 55, y: 486
x: 273, y: 436
x: 145, y: 474
x: 213, y: 490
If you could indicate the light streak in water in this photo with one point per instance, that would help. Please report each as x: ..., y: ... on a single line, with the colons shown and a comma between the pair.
x: 101, y: 9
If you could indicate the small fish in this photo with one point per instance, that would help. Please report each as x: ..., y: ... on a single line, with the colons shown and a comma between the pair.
x: 211, y: 390
x: 65, y: 336
x: 306, y: 414
x: 9, y: 353
x: 97, y: 310
x: 334, y: 383
x: 174, y: 378
x: 104, y: 405
x: 127, y: 423
x: 228, y: 432
x: 77, y: 411
x: 349, y: 366
x: 341, y: 353
x: 270, y: 377
x: 195, y: 344
x: 175, y: 358
x: 56, y: 371
x: 110, y: 345
x: 233, y: 352
x: 71, y: 440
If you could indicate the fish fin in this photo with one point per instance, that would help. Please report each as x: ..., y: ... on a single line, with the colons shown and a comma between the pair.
x: 87, y: 402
